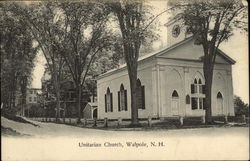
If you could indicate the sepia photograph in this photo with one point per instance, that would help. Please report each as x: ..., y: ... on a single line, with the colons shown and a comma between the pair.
x: 124, y: 80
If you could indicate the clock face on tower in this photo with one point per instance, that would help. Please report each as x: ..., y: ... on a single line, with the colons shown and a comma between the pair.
x: 176, y: 31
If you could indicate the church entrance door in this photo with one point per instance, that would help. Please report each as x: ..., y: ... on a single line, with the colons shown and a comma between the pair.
x: 175, y: 103
x: 175, y: 106
x: 219, y: 104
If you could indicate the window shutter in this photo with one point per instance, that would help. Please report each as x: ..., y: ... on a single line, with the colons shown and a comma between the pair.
x: 138, y: 97
x: 187, y: 99
x: 203, y: 89
x: 143, y: 97
x: 105, y: 103
x: 111, y: 102
x: 194, y: 103
x: 204, y: 103
x: 126, y: 104
x: 192, y: 88
x: 119, y: 105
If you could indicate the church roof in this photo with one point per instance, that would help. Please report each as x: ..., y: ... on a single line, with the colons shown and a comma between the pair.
x: 165, y: 50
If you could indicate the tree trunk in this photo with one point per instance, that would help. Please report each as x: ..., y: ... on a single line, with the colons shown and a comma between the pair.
x: 208, y: 73
x: 208, y: 103
x: 9, y: 100
x: 57, y: 88
x: 64, y: 111
x: 134, y: 109
x: 23, y: 103
x: 14, y: 90
x: 57, y: 105
x: 79, y: 96
x: 23, y: 94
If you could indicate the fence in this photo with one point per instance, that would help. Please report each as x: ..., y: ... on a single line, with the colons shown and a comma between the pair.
x: 146, y: 122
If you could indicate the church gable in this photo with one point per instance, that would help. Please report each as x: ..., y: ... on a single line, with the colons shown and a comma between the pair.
x: 189, y: 51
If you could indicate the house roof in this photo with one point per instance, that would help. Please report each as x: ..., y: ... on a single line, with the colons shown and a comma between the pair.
x: 92, y: 105
x: 226, y: 57
x: 164, y: 50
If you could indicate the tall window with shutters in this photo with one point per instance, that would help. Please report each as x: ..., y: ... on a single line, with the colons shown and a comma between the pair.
x: 122, y: 99
x: 108, y: 101
x: 140, y: 94
x: 198, y: 94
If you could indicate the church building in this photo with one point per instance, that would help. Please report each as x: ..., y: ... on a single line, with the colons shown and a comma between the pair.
x: 170, y: 82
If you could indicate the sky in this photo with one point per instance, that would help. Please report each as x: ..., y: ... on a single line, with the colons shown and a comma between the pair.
x: 236, y: 47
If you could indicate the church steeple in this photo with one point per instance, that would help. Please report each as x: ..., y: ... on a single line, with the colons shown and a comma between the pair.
x: 174, y: 27
x: 176, y: 32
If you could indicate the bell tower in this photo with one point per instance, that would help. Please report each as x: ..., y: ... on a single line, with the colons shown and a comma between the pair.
x: 176, y: 32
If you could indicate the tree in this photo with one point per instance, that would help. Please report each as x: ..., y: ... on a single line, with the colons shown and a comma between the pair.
x: 70, y: 34
x: 17, y: 56
x: 240, y: 107
x: 108, y: 60
x: 133, y: 19
x: 85, y: 36
x: 211, y: 23
x: 40, y: 18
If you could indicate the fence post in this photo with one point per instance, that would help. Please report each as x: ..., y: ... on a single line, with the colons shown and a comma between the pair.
x: 149, y: 121
x: 69, y: 120
x: 226, y: 120
x: 95, y: 122
x: 105, y: 122
x: 244, y: 118
x: 85, y: 122
x: 203, y: 119
x: 119, y: 122
x: 181, y: 120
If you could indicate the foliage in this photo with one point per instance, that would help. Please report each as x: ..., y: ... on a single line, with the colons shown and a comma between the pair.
x: 36, y: 111
x: 240, y: 107
x: 70, y: 35
x: 40, y: 18
x: 18, y: 53
x: 84, y: 37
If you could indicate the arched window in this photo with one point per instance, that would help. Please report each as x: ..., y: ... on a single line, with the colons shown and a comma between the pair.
x: 122, y: 99
x: 200, y: 86
x: 187, y: 99
x: 200, y: 82
x: 198, y: 94
x: 175, y: 94
x: 219, y: 95
x: 108, y: 101
x: 194, y: 86
x: 197, y: 87
x: 140, y: 94
x: 121, y: 87
x: 195, y: 81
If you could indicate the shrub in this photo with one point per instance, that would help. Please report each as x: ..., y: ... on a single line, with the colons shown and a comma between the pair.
x: 240, y: 107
